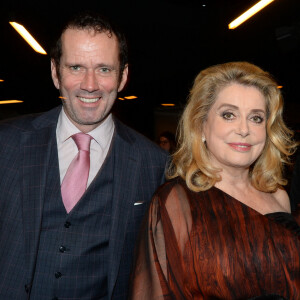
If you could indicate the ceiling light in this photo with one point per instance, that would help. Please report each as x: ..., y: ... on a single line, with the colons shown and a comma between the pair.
x: 130, y: 97
x: 27, y: 37
x: 249, y: 13
x: 168, y: 104
x: 10, y: 101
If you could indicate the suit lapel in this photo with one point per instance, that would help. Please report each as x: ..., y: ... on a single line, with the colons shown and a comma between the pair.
x: 126, y: 164
x: 36, y: 147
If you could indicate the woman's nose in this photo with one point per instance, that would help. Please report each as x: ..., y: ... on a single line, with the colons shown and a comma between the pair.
x: 243, y: 128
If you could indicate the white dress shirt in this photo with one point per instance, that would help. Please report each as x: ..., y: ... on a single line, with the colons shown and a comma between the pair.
x: 67, y: 149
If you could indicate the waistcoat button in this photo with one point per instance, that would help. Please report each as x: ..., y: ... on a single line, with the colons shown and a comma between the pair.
x: 67, y: 224
x: 62, y: 249
x: 57, y: 274
x: 27, y: 288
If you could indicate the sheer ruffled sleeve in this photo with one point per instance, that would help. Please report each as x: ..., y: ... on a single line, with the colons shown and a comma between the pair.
x: 159, y: 268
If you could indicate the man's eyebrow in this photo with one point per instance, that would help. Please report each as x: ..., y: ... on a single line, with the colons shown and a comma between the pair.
x: 102, y: 65
x: 106, y: 66
x: 69, y: 64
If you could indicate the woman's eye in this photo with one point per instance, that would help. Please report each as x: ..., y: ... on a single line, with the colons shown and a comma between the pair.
x: 257, y: 119
x: 227, y: 115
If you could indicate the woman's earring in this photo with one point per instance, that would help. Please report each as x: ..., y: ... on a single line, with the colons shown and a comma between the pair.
x: 203, y: 138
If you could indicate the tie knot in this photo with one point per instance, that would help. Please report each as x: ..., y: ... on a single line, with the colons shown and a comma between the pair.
x: 82, y: 141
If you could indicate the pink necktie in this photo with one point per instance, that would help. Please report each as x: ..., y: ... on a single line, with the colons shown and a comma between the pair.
x: 75, y: 180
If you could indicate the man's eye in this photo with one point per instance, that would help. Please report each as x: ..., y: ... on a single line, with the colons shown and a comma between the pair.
x: 105, y: 70
x: 257, y: 119
x: 227, y: 115
x: 75, y: 68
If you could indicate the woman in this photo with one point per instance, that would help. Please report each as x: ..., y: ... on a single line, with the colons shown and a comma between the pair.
x: 221, y: 228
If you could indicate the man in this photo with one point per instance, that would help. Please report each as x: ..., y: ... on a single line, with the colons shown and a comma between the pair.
x: 51, y: 248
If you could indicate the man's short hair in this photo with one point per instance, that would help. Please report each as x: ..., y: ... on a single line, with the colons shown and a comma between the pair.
x: 97, y: 23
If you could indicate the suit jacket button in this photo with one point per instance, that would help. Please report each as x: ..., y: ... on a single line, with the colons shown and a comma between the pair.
x: 67, y: 224
x: 62, y: 249
x: 57, y: 274
x: 27, y: 288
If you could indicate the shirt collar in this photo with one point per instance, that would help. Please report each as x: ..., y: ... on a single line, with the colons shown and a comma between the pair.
x: 101, y: 134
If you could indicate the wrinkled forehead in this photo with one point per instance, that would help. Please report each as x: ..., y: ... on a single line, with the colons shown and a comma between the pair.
x: 78, y: 34
x: 90, y: 30
x: 89, y: 43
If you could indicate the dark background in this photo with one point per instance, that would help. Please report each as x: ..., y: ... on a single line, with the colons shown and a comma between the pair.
x: 170, y: 41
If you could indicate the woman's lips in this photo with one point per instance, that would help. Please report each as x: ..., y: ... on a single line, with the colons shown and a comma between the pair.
x: 241, y: 147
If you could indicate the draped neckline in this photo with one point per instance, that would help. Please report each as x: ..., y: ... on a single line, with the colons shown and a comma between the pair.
x: 279, y: 217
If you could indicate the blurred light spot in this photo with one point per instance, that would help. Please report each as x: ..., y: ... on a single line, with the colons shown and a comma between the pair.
x: 10, y: 101
x: 168, y: 104
x: 279, y: 86
x: 61, y: 97
x: 121, y: 98
x: 249, y: 13
x: 1, y: 80
x: 27, y: 37
x: 130, y: 97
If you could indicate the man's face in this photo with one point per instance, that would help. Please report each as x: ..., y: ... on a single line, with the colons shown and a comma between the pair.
x: 89, y: 76
x: 164, y: 143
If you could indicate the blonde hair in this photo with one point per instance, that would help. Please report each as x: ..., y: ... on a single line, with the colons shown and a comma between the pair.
x: 191, y: 160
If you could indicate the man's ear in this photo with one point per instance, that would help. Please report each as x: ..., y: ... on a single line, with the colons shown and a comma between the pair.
x: 54, y: 74
x: 124, y: 78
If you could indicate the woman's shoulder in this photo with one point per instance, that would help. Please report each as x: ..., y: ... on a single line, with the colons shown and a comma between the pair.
x: 176, y: 195
x: 282, y: 199
x: 178, y: 188
x: 172, y: 202
x: 173, y: 194
x: 173, y: 184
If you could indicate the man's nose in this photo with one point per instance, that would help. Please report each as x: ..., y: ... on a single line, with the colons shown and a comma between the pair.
x: 89, y: 82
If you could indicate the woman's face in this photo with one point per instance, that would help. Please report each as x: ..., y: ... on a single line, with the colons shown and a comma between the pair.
x: 235, y: 129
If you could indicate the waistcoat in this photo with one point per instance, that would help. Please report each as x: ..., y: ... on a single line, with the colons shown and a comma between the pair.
x: 73, y: 248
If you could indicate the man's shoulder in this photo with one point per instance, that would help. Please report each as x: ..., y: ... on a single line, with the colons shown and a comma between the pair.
x: 12, y: 129
x: 29, y: 121
x: 19, y: 123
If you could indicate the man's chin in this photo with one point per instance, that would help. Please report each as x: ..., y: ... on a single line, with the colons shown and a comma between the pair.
x: 90, y: 121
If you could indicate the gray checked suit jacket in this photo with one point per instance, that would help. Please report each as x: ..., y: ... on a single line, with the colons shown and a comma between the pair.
x: 25, y: 146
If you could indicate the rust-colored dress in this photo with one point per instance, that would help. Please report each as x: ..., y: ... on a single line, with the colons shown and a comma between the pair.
x: 208, y: 245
